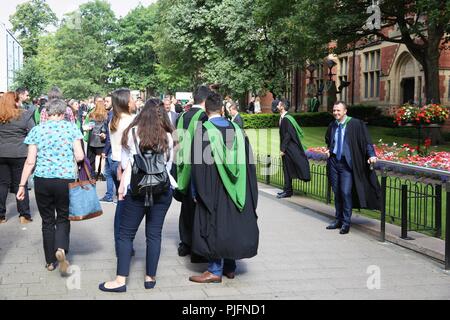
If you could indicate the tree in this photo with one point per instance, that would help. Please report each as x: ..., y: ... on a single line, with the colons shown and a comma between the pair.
x: 134, y: 55
x: 30, y: 20
x: 31, y: 76
x: 216, y: 42
x: 422, y: 26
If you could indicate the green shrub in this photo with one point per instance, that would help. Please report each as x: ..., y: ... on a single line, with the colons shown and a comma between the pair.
x: 363, y: 112
x: 270, y: 120
x: 383, y: 121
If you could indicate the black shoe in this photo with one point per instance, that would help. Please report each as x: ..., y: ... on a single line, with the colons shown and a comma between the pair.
x: 183, y: 250
x: 344, y: 230
x: 284, y: 195
x: 115, y: 290
x: 278, y: 193
x: 334, y: 225
x: 149, y: 284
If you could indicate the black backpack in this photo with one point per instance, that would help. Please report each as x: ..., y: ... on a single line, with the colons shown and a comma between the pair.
x: 149, y: 176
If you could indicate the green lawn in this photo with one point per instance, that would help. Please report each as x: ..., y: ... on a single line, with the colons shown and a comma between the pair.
x: 314, y: 137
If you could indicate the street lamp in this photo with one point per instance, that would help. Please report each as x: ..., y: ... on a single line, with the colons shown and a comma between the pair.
x: 331, y: 65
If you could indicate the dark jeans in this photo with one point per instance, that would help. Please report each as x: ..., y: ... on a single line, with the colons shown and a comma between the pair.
x: 53, y: 195
x: 342, y: 182
x: 132, y: 214
x: 10, y: 175
x: 287, y: 178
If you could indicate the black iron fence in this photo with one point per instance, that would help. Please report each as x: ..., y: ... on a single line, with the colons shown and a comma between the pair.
x: 413, y: 204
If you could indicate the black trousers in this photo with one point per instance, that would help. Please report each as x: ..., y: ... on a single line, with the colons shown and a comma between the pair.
x: 287, y: 178
x: 53, y: 195
x: 92, y: 152
x: 10, y: 175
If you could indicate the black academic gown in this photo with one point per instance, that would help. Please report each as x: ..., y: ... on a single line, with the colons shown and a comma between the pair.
x: 220, y: 230
x: 366, y: 188
x: 187, y: 203
x: 295, y: 159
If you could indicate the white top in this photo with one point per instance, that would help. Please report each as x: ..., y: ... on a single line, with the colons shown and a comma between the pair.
x: 257, y: 107
x: 116, y: 137
x: 127, y: 159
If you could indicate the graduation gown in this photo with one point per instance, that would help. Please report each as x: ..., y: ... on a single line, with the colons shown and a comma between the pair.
x: 187, y: 203
x: 366, y: 190
x: 295, y: 160
x: 220, y: 229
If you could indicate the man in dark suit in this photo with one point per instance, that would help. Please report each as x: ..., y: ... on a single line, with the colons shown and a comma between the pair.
x: 235, y: 116
x: 173, y: 116
x: 295, y: 162
x: 351, y: 157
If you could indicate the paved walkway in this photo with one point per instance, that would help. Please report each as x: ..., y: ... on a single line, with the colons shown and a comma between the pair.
x: 298, y: 259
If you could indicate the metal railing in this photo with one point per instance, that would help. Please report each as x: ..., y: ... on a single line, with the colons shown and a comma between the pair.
x: 413, y: 204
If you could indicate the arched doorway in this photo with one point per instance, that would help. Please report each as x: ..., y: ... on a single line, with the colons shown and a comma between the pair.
x: 407, y: 79
x: 407, y: 88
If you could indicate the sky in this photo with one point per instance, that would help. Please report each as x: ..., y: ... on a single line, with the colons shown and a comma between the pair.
x: 60, y: 7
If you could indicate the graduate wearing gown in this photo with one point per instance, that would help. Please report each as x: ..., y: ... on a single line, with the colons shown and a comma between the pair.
x: 226, y: 192
x: 188, y: 121
x: 351, y: 155
x: 295, y: 162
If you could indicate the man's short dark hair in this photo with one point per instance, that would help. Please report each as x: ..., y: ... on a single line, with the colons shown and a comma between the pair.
x: 21, y: 90
x: 213, y: 103
x: 285, y: 104
x: 201, y: 94
x: 340, y: 102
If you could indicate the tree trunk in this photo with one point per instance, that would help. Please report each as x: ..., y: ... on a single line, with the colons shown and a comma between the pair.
x: 431, y: 72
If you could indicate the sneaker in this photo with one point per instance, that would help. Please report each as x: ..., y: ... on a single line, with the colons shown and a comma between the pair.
x: 105, y: 199
x: 63, y: 263
x: 3, y: 220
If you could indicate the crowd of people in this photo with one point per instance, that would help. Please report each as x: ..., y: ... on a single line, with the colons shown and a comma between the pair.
x: 155, y: 152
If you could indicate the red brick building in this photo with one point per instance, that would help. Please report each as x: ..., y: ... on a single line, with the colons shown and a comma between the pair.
x: 380, y: 73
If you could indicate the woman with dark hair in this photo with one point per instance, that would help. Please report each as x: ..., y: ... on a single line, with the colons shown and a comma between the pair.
x: 149, y: 133
x: 15, y: 124
x: 123, y: 107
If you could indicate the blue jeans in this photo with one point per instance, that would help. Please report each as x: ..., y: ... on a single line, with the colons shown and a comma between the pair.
x: 114, y: 165
x: 133, y: 212
x: 109, y: 178
x: 219, y: 266
x: 341, y: 176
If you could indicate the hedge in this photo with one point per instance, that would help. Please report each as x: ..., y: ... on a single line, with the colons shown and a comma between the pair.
x: 270, y: 120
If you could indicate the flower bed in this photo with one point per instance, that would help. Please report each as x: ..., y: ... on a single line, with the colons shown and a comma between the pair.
x: 401, y: 154
x: 426, y: 115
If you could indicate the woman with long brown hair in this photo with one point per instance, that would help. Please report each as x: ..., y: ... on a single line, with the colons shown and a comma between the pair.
x: 123, y: 107
x: 148, y: 133
x: 15, y: 124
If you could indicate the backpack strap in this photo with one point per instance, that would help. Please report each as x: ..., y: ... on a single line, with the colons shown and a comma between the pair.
x: 138, y: 149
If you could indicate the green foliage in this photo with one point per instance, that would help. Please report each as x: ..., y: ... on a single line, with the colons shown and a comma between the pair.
x: 135, y: 58
x: 29, y: 21
x: 217, y: 42
x: 31, y: 76
x: 77, y: 57
x: 262, y: 121
x: 364, y: 112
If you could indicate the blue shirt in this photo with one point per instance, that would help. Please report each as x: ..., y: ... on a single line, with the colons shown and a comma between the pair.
x: 370, y: 150
x: 54, y: 141
x: 336, y: 138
